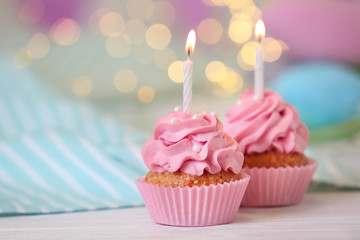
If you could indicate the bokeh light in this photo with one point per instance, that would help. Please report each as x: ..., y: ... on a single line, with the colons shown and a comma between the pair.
x: 118, y: 46
x: 143, y: 54
x: 31, y: 11
x: 217, y: 90
x: 125, y: 80
x: 65, y: 31
x: 232, y: 82
x: 283, y: 45
x: 210, y: 31
x: 164, y: 57
x: 250, y: 10
x: 22, y: 59
x: 239, y: 15
x: 236, y: 4
x: 218, y: 2
x: 229, y: 81
x: 158, y: 36
x: 215, y: 71
x: 82, y: 86
x: 38, y: 46
x: 135, y: 29
x: 239, y: 31
x: 161, y: 12
x: 244, y: 65
x: 95, y: 18
x: 138, y: 8
x: 146, y: 94
x: 175, y: 71
x: 247, y: 52
x: 111, y: 23
x: 272, y: 49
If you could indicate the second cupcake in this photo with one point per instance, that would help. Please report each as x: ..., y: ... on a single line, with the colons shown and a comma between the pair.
x: 273, y: 140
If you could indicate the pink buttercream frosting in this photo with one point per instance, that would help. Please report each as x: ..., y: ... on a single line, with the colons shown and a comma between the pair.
x: 192, y: 145
x: 266, y: 124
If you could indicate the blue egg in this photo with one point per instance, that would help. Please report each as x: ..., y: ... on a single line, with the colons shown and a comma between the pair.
x: 324, y: 93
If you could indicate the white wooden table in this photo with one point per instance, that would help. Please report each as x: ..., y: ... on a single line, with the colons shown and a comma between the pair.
x: 319, y: 216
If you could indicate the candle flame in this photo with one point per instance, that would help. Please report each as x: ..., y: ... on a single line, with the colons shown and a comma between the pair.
x: 190, y: 43
x: 260, y: 30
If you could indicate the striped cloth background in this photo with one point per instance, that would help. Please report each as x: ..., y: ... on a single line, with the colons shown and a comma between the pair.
x: 59, y: 155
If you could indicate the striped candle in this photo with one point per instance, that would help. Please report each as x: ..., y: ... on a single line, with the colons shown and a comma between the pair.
x: 188, y: 69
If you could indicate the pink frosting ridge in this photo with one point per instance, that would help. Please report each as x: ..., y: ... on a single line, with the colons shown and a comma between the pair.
x: 266, y: 124
x: 172, y: 146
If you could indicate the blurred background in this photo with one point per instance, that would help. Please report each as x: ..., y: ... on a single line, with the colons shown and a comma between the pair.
x: 124, y: 59
x: 126, y: 55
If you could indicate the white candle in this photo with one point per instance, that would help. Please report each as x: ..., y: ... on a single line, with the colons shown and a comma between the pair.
x: 187, y: 93
x: 259, y: 62
x: 259, y: 73
x: 188, y: 69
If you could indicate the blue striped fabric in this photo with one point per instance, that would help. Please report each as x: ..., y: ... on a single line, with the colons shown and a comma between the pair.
x: 59, y: 155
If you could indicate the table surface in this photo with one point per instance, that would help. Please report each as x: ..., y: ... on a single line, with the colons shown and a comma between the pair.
x: 319, y: 216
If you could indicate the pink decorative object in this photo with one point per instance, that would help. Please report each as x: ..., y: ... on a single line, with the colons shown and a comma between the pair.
x: 277, y: 186
x: 317, y: 29
x: 196, y: 206
x: 175, y: 136
x: 269, y: 123
x: 192, y: 144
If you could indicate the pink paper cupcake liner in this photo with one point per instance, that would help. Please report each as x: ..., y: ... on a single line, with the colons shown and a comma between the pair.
x: 195, y: 206
x: 277, y: 186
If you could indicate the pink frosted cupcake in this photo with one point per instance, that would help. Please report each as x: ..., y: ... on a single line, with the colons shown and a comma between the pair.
x: 194, y: 177
x: 273, y: 139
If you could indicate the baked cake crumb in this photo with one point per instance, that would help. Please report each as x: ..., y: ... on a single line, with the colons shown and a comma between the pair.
x: 274, y: 159
x: 179, y: 179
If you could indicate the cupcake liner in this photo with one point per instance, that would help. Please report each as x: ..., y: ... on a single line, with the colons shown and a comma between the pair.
x: 195, y: 206
x: 277, y: 186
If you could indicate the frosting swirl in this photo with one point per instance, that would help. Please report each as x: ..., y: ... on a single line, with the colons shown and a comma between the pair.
x: 266, y: 124
x: 192, y: 144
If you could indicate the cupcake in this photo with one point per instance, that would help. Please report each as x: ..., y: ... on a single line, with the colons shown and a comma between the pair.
x: 194, y: 177
x: 273, y: 140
